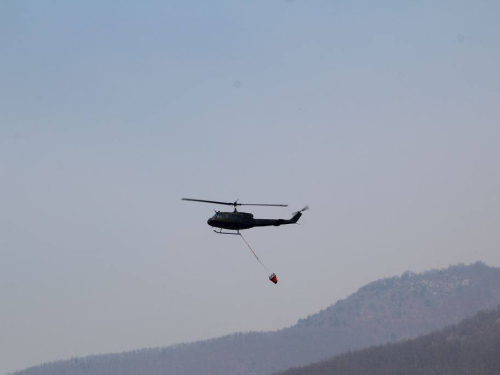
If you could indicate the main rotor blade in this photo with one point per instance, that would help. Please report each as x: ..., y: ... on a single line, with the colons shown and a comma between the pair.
x: 234, y: 203
x: 258, y: 204
x: 215, y: 202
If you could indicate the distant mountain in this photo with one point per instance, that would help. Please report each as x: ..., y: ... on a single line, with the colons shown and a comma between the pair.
x: 470, y: 347
x: 386, y: 310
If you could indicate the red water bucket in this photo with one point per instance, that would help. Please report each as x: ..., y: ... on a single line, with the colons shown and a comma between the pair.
x: 274, y: 278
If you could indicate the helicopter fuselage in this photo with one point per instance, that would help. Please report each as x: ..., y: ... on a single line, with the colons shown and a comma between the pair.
x: 243, y: 220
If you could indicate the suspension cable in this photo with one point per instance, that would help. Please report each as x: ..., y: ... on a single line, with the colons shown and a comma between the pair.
x: 253, y: 252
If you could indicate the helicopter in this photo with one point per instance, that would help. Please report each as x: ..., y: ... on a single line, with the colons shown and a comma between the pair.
x: 237, y: 221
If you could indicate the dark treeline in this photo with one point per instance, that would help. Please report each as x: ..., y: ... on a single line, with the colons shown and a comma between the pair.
x: 471, y: 347
x: 383, y: 311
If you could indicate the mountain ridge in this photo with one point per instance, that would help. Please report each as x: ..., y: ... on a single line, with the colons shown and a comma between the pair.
x: 382, y: 311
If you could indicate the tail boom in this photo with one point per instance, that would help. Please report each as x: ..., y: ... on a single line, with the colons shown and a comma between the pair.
x: 277, y: 222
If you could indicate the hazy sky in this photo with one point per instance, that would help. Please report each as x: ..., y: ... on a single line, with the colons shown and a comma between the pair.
x: 383, y: 116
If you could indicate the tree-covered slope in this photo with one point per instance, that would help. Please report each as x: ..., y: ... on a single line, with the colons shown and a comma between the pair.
x: 385, y: 310
x: 470, y: 347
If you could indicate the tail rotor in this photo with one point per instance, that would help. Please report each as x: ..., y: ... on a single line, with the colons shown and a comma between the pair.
x: 298, y: 214
x: 300, y: 211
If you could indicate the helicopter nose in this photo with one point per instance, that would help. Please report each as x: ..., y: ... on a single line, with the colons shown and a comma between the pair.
x: 209, y: 221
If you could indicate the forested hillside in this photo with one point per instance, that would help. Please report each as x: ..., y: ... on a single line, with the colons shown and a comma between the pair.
x: 470, y: 347
x: 386, y: 310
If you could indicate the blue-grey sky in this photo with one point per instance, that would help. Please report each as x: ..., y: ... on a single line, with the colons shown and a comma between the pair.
x: 382, y: 116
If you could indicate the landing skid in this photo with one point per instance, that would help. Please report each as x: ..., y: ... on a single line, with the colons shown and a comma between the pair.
x: 221, y: 232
